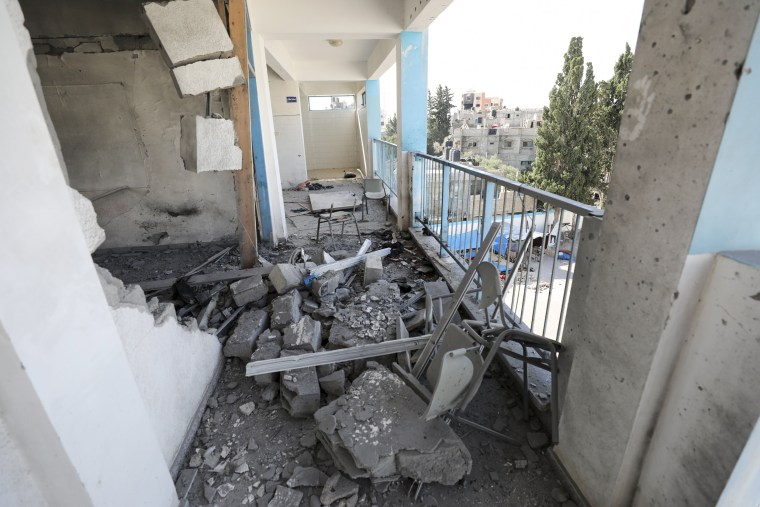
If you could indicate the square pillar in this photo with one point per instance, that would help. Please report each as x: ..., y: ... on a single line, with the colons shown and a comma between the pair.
x: 372, y: 91
x: 411, y: 85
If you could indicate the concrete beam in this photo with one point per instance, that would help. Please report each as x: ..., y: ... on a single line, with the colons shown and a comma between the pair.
x: 331, y: 70
x: 280, y: 61
x: 382, y: 58
x: 419, y: 14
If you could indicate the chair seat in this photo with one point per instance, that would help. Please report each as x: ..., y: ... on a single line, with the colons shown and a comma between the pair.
x: 338, y: 215
x: 375, y: 195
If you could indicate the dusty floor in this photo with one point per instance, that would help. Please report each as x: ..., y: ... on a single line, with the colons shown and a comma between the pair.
x: 256, y: 450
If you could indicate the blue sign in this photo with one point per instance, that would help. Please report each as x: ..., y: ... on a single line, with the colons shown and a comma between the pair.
x: 291, y: 100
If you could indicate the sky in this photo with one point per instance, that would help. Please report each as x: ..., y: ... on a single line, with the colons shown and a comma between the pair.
x: 514, y: 49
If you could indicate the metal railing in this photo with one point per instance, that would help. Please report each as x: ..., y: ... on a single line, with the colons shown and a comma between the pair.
x: 459, y: 203
x: 384, y: 156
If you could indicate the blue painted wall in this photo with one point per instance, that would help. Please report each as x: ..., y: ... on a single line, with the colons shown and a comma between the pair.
x: 730, y: 215
x: 413, y: 70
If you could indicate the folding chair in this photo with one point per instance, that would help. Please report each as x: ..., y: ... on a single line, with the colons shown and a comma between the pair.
x: 374, y: 190
x: 337, y: 217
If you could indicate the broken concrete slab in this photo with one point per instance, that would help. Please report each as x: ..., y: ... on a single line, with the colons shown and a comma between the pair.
x: 285, y: 277
x: 208, y: 144
x: 249, y: 326
x: 207, y: 76
x: 373, y: 270
x: 334, y: 384
x: 299, y: 389
x: 326, y: 284
x: 286, y: 310
x: 187, y: 31
x: 375, y: 431
x: 269, y: 335
x: 306, y: 476
x: 268, y: 350
x: 337, y: 488
x: 247, y: 408
x: 286, y: 497
x: 250, y: 289
x: 303, y: 335
x: 94, y: 235
x: 370, y: 319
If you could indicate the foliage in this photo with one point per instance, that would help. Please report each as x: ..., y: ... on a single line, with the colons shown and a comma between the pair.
x: 609, y: 112
x: 391, y: 133
x: 568, y: 146
x: 494, y: 165
x: 439, y: 118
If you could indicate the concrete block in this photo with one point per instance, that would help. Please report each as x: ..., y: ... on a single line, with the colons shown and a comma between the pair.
x: 207, y: 76
x: 285, y: 277
x: 286, y: 497
x: 337, y: 488
x: 269, y: 350
x: 307, y: 476
x: 94, y: 235
x: 373, y: 270
x: 303, y: 335
x: 334, y: 384
x: 208, y: 144
x: 249, y: 326
x: 249, y: 289
x: 327, y: 283
x: 187, y: 31
x: 299, y: 389
x: 269, y: 335
x: 286, y: 310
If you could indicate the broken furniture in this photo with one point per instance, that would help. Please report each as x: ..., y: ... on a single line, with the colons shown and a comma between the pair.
x: 374, y: 190
x: 337, y: 217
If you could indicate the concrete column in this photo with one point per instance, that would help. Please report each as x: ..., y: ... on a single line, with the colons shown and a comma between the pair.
x: 411, y: 86
x: 372, y: 90
x: 683, y: 82
x: 68, y: 398
x: 269, y: 184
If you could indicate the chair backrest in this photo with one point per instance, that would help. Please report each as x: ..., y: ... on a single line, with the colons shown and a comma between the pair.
x: 490, y: 284
x: 373, y: 185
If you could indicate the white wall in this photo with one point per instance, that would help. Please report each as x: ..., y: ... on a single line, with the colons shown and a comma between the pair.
x: 331, y: 137
x: 362, y: 138
x: 68, y: 396
x: 288, y: 130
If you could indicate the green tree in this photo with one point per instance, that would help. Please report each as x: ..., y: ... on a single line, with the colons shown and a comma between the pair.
x: 609, y: 113
x: 439, y: 117
x: 391, y: 133
x: 567, y: 148
x: 495, y: 165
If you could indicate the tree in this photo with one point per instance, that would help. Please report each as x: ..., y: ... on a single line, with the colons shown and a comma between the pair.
x: 495, y: 165
x: 567, y: 147
x: 391, y: 133
x: 609, y: 113
x: 439, y: 117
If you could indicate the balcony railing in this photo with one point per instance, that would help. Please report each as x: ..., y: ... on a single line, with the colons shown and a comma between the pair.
x: 384, y: 157
x: 459, y: 203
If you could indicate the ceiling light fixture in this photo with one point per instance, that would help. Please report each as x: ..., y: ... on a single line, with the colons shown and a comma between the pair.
x: 335, y: 42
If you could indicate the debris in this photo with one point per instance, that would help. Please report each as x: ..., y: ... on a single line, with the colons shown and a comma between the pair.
x: 390, y: 440
x: 270, y: 392
x: 209, y: 493
x: 285, y: 310
x: 560, y: 495
x: 529, y: 453
x: 303, y: 335
x: 373, y: 270
x: 537, y: 440
x: 334, y: 384
x: 247, y: 408
x: 252, y: 445
x: 208, y: 144
x: 299, y: 390
x: 207, y: 76
x: 268, y: 350
x: 347, y: 263
x: 242, y: 468
x: 336, y: 488
x: 370, y: 319
x: 250, y: 325
x: 306, y: 476
x: 326, y: 284
x: 285, y: 277
x: 224, y: 489
x: 185, y: 481
x: 521, y: 464
x: 249, y: 290
x: 286, y: 497
x: 309, y: 440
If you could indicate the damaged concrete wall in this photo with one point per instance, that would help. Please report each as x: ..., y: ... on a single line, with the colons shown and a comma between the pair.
x: 118, y: 117
x: 288, y: 126
x: 331, y: 137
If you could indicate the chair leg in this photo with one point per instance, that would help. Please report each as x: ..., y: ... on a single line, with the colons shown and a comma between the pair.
x: 332, y: 238
x: 319, y: 222
x: 525, y: 384
x: 364, y: 200
x: 357, y: 229
x: 342, y: 227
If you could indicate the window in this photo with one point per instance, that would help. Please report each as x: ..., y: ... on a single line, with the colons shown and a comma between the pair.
x: 364, y: 98
x: 505, y: 144
x: 525, y: 165
x: 492, y: 132
x: 331, y: 102
x: 472, y: 144
x: 527, y: 144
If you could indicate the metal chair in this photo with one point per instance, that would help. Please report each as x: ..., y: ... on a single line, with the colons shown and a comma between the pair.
x: 337, y: 217
x: 374, y: 190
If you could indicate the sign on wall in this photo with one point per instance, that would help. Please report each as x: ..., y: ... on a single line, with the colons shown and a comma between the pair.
x: 291, y: 100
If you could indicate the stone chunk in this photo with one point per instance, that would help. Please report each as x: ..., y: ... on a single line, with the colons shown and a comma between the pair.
x: 249, y: 289
x: 299, y: 389
x: 306, y: 476
x: 326, y: 284
x: 94, y: 235
x: 286, y: 497
x: 373, y: 270
x: 303, y: 335
x: 187, y: 30
x: 269, y: 350
x: 207, y: 76
x: 537, y: 440
x: 249, y: 327
x: 285, y: 277
x: 334, y: 384
x: 247, y: 408
x: 286, y: 310
x: 337, y: 488
x: 208, y: 144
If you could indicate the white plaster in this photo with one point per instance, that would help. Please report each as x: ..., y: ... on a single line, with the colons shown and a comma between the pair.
x: 288, y: 124
x: 18, y: 484
x: 79, y: 396
x: 94, y: 235
x: 188, y: 30
x: 643, y: 99
x: 207, y: 76
x: 208, y: 144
